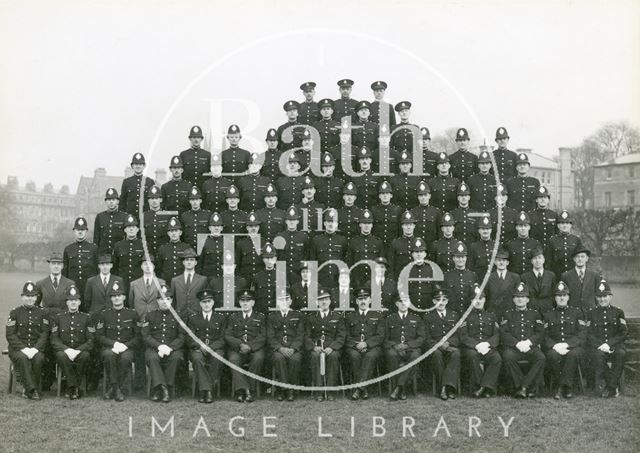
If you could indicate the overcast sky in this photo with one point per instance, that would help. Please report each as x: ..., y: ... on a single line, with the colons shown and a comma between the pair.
x: 86, y: 84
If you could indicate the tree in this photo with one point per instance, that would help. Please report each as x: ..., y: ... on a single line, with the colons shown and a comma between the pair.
x: 8, y: 242
x: 445, y: 142
x: 596, y: 226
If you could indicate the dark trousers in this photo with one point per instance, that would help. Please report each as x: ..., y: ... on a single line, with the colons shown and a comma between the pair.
x: 29, y: 369
x: 118, y: 366
x: 287, y: 369
x: 536, y: 359
x: 395, y: 359
x: 446, y: 367
x: 332, y: 369
x: 207, y: 368
x: 254, y: 359
x: 610, y: 377
x: 564, y: 366
x: 73, y: 370
x: 363, y: 364
x: 492, y: 363
x: 162, y: 369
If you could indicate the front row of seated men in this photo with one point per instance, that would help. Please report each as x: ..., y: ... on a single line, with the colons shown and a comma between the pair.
x: 564, y: 338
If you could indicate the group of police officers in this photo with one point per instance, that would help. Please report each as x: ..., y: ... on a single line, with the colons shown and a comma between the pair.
x: 110, y: 303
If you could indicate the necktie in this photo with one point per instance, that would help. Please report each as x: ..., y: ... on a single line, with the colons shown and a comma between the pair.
x: 189, y: 280
x: 147, y: 283
x: 55, y: 282
x: 441, y: 315
x: 362, y: 314
x: 104, y: 281
x: 539, y: 276
x: 502, y: 276
x: 208, y: 316
x: 581, y: 275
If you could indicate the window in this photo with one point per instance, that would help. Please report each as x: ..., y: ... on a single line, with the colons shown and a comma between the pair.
x: 632, y: 171
x: 608, y: 172
x: 607, y: 199
x: 631, y: 197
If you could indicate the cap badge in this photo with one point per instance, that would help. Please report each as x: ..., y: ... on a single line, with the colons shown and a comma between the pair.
x: 72, y: 291
x: 601, y: 287
x: 29, y: 287
x: 138, y: 156
x: 460, y: 247
x: 80, y: 221
x: 561, y: 286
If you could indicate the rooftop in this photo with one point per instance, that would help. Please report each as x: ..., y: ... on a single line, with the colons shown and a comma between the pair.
x: 633, y: 158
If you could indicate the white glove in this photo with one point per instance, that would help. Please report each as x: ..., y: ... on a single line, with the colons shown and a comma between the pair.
x: 604, y: 347
x: 71, y: 353
x: 118, y: 347
x: 527, y: 345
x: 164, y: 350
x: 561, y: 348
x: 483, y: 348
x: 521, y: 346
x: 34, y: 351
x: 29, y: 352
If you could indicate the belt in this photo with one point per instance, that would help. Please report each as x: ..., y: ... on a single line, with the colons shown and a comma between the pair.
x: 402, y: 339
x: 244, y: 338
x: 284, y: 339
x: 206, y: 341
x: 362, y: 337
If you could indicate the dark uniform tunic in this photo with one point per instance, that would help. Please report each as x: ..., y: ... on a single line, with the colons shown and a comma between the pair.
x: 311, y: 210
x: 122, y: 326
x: 370, y: 329
x: 252, y: 331
x: 464, y: 164
x: 194, y: 223
x: 327, y: 332
x: 406, y: 330
x: 520, y: 254
x: 286, y: 331
x: 382, y: 109
x: 427, y: 222
x: 508, y: 230
x: 160, y: 327
x: 343, y: 107
x: 404, y: 190
x: 479, y: 327
x: 264, y: 285
x: 348, y: 218
x: 294, y: 250
x: 607, y: 325
x: 211, y: 256
x: 329, y: 131
x: 543, y: 224
x: 28, y: 327
x: 130, y: 194
x: 248, y: 260
x: 207, y: 368
x: 108, y: 229
x: 272, y: 222
x: 483, y: 192
x: 289, y: 190
x: 214, y: 194
x: 308, y: 112
x: 522, y: 192
x: 559, y: 252
x: 506, y: 161
x: 429, y: 162
x: 329, y: 191
x: 169, y: 260
x: 367, y: 189
x: 234, y: 221
x: 443, y: 192
x: 402, y: 138
x: 175, y: 195
x: 399, y: 254
x: 271, y: 165
x: 386, y: 222
x: 252, y: 190
x: 325, y: 247
x: 364, y: 247
x: 127, y: 256
x: 365, y: 133
x: 420, y: 292
x: 442, y: 253
x: 459, y: 284
x: 80, y: 261
x: 155, y: 230
x: 479, y: 257
x: 235, y: 160
x: 75, y: 331
x: 466, y: 228
x: 565, y: 325
x: 196, y: 162
x: 445, y: 362
x: 516, y: 326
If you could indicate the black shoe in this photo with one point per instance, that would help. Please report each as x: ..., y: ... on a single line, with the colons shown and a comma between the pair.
x: 118, y: 395
x: 531, y: 394
x: 75, y: 394
x: 291, y: 396
x: 522, y: 393
x: 249, y: 398
x: 451, y: 393
x: 67, y: 393
x: 155, y: 394
x: 208, y: 398
x: 568, y: 394
x: 395, y: 394
x: 355, y: 396
x: 364, y: 394
x: 202, y: 396
x: 240, y: 396
x: 443, y: 394
x: 488, y: 393
x: 165, y: 394
x: 280, y: 395
x: 605, y: 393
x: 320, y: 397
x: 558, y: 394
x: 35, y: 395
x: 403, y: 394
x: 478, y: 393
x: 109, y: 393
x: 330, y: 397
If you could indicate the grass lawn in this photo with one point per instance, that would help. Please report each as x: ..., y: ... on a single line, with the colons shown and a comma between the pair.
x: 90, y: 424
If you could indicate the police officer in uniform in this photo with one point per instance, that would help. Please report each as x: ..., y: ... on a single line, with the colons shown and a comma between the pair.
x: 386, y: 215
x: 480, y: 337
x: 523, y: 189
x: 480, y: 251
x: 404, y: 184
x: 108, y: 226
x: 443, y: 185
x: 155, y: 221
x: 213, y: 249
x: 482, y: 185
x: 460, y: 281
x: 271, y: 217
x: 175, y: 192
x: 543, y: 220
x: 465, y: 228
x: 80, y: 258
x: 271, y: 165
x: 130, y: 191
x: 405, y: 134
x: 521, y: 333
x: 328, y: 245
x: 289, y: 186
x: 234, y: 219
x: 27, y: 334
x: 324, y: 338
x: 308, y: 112
x: 521, y: 247
x: 164, y: 339
x: 565, y: 338
x: 196, y: 161
x: 505, y: 158
x: 363, y: 131
x: 264, y: 281
x: 196, y: 220
x: 464, y: 163
x: 508, y: 220
x: 72, y: 335
x: 366, y: 246
x: 403, y: 340
x: 290, y: 133
x: 235, y: 160
x: 420, y: 292
x: 328, y: 186
x: 248, y: 249
x: 209, y: 327
x: 442, y: 250
x: 606, y: 336
x: 169, y: 260
x: 399, y: 253
x: 381, y: 111
x: 308, y: 206
x: 429, y: 157
x: 117, y: 334
x: 349, y: 214
x: 253, y: 186
x: 285, y: 340
x: 215, y: 188
x: 226, y: 286
x: 128, y: 254
x: 328, y: 128
x: 294, y: 242
x: 345, y: 106
x: 427, y: 217
x: 246, y: 339
x: 366, y: 183
x: 560, y: 247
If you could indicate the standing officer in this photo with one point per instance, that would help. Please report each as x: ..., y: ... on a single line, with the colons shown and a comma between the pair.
x: 328, y: 245
x: 386, y: 215
x: 264, y: 281
x: 290, y: 133
x: 209, y: 327
x: 521, y: 333
x: 442, y: 250
x: 130, y: 191
x: 213, y: 248
x: 560, y: 247
x: 289, y: 186
x: 402, y: 138
x: 169, y: 259
x: 541, y: 283
x: 235, y: 160
x: 443, y: 186
x: 480, y: 251
x: 508, y: 220
x: 420, y: 292
x: 404, y: 184
x: 399, y: 253
x: 543, y: 220
x: 403, y: 340
x: 521, y: 247
x: 427, y: 217
x: 366, y: 183
x: 381, y: 111
x: 196, y: 220
x: 464, y: 163
x: 72, y: 340
x: 308, y: 206
x: 328, y: 186
x: 309, y: 112
x: 505, y: 158
x: 328, y: 128
x: 271, y: 165
x: 566, y: 335
x: 234, y: 219
x: 246, y: 338
x: 155, y: 221
x: 482, y: 185
x: 196, y: 161
x: 465, y: 228
x: 27, y: 334
x: 271, y: 217
x: 285, y: 337
x: 324, y: 337
x: 253, y: 186
x: 215, y: 188
x: 460, y: 281
x: 164, y: 339
x: 480, y: 337
x: 294, y: 242
x: 366, y: 246
x: 606, y: 337
x: 523, y: 189
x: 429, y: 157
x: 349, y: 214
x: 248, y: 249
x: 445, y: 360
x: 365, y: 334
x: 128, y: 254
x: 175, y: 192
x: 80, y: 259
x: 345, y: 106
x: 117, y: 334
x: 364, y: 132
x: 108, y: 226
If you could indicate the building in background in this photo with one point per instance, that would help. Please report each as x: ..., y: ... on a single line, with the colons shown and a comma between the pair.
x: 616, y: 182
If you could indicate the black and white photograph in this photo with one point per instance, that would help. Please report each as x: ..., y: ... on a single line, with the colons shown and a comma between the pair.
x: 338, y: 226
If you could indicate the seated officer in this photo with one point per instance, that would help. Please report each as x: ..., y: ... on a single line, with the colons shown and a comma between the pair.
x: 209, y: 326
x: 285, y: 334
x: 324, y: 337
x: 521, y: 332
x: 27, y: 334
x: 117, y: 333
x: 445, y: 360
x: 365, y: 333
x: 164, y: 339
x: 72, y: 340
x: 404, y: 337
x: 565, y: 340
x: 606, y: 335
x: 246, y: 337
x: 480, y: 336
